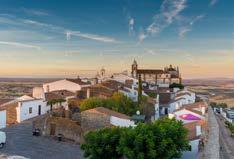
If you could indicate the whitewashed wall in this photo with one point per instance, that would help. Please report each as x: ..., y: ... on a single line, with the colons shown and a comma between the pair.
x: 23, y: 109
x: 62, y: 85
x: 121, y: 122
x: 194, y: 153
x: 2, y: 119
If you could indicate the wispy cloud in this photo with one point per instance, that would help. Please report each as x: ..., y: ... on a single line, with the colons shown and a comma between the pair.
x: 197, y: 18
x: 95, y: 37
x: 16, y: 44
x: 169, y: 12
x: 142, y: 35
x: 35, y: 12
x: 183, y: 31
x: 131, y: 23
x: 213, y: 2
x: 50, y: 27
x: 185, y: 28
x: 40, y: 24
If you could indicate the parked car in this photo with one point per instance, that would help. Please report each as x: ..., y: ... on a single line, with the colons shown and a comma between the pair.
x: 2, y: 139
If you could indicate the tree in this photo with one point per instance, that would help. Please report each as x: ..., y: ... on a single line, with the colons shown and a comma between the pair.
x: 55, y: 101
x: 51, y: 103
x: 102, y: 144
x: 164, y: 139
x: 118, y: 102
x: 91, y: 103
x: 139, y: 90
x: 60, y: 101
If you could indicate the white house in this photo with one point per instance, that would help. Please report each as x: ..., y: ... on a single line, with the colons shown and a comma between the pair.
x: 189, y: 96
x: 171, y: 101
x: 22, y: 108
x: 131, y: 92
x: 72, y: 85
x: 27, y: 109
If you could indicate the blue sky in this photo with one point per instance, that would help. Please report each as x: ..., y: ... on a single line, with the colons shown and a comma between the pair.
x: 65, y: 38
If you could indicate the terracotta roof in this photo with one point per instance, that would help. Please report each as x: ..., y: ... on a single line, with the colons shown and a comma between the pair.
x: 150, y: 71
x: 112, y: 84
x: 177, y: 99
x: 2, y: 101
x: 64, y: 93
x: 78, y: 81
x: 192, y: 107
x: 125, y: 89
x: 60, y: 94
x: 195, y: 105
x: 182, y: 94
x: 10, y: 105
x: 105, y: 111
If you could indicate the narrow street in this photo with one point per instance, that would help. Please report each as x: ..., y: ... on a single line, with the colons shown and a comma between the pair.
x: 226, y: 141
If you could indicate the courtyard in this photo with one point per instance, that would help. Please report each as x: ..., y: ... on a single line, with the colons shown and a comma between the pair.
x: 20, y: 142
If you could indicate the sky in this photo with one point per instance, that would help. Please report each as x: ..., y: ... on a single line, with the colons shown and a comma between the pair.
x: 66, y: 38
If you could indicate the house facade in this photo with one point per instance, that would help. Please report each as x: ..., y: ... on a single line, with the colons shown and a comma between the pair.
x: 21, y: 109
x: 171, y: 101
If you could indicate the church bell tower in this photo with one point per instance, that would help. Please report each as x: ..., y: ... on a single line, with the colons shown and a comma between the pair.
x: 134, y: 69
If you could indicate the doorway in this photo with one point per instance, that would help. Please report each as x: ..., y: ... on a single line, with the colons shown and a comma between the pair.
x: 39, y: 110
x: 52, y: 129
x: 166, y: 111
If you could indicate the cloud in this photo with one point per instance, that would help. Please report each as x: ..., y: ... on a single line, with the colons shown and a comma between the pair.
x: 95, y: 37
x: 131, y: 23
x: 142, y: 36
x: 183, y: 31
x: 60, y: 30
x: 197, y: 18
x: 169, y: 12
x: 185, y: 28
x: 16, y: 44
x: 151, y: 52
x: 213, y: 2
x: 35, y: 12
x: 40, y: 24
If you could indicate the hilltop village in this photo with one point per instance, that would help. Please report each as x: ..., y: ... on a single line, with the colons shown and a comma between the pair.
x: 69, y: 108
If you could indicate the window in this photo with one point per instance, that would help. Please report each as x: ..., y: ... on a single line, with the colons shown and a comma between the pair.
x: 30, y: 110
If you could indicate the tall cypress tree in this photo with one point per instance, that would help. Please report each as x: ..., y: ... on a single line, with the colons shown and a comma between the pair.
x: 139, y: 89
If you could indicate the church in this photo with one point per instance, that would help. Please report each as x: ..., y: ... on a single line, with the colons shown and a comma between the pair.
x: 161, y: 77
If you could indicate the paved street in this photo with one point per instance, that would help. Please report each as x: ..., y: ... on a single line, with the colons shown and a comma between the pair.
x: 20, y: 142
x: 226, y: 141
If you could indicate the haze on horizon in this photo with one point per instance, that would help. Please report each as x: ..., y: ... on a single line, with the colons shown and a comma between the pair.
x: 44, y: 39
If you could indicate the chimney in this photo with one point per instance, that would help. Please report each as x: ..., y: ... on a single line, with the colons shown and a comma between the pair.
x: 38, y: 93
x: 88, y: 93
x: 203, y: 110
x: 198, y: 130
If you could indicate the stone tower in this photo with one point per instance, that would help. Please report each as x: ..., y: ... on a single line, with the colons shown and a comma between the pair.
x: 134, y: 69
